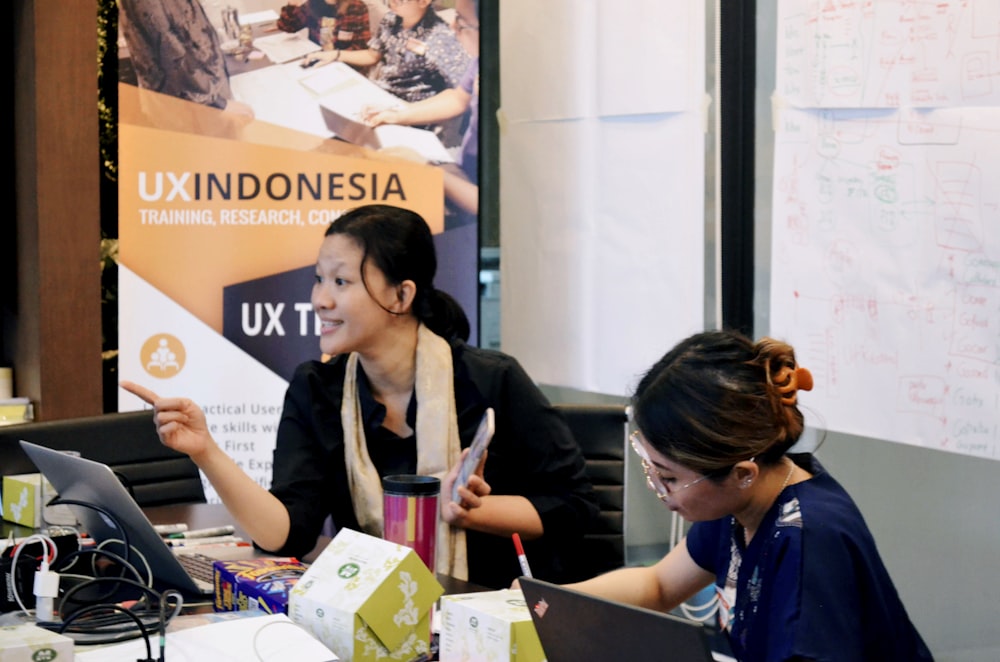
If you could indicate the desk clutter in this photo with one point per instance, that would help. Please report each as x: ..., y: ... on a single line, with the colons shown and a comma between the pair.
x: 363, y: 598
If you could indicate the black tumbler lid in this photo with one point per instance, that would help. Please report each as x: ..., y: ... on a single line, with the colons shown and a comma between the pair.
x: 411, y: 485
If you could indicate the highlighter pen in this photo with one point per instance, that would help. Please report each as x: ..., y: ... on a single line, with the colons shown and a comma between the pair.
x: 168, y: 529
x: 521, y: 558
x: 205, y: 533
x: 197, y: 542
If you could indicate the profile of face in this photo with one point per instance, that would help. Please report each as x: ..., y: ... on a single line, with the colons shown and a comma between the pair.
x: 466, y: 26
x: 354, y: 312
x: 692, y: 495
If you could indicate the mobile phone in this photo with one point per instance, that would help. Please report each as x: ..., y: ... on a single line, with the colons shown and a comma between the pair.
x: 484, y: 434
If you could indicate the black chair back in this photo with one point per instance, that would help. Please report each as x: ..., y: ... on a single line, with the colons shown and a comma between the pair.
x: 602, y: 432
x: 127, y: 442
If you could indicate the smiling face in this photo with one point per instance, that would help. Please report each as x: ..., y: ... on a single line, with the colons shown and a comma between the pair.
x: 351, y: 317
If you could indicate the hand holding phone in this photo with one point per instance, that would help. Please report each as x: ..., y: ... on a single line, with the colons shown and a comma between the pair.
x: 484, y: 434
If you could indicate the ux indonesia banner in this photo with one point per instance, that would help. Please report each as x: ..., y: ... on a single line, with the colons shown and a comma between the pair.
x: 221, y: 215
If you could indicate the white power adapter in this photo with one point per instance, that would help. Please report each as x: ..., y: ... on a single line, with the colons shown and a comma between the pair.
x: 46, y: 590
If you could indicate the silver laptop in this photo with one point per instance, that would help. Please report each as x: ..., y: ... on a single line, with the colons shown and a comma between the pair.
x: 78, y: 479
x: 574, y: 626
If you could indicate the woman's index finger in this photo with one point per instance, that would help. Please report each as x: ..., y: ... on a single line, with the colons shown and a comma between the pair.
x: 141, y: 392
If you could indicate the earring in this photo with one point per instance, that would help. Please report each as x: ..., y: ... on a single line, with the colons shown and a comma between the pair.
x: 746, y: 483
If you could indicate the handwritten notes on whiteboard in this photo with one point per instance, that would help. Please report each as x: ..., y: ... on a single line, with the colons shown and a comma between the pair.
x: 885, y: 269
x: 888, y: 54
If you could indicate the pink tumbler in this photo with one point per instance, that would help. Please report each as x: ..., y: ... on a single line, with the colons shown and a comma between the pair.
x: 410, y: 510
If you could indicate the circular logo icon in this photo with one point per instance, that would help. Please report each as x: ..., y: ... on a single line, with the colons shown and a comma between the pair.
x: 348, y: 570
x: 163, y: 356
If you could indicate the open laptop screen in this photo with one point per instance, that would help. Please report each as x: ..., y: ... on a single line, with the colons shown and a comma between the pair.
x: 574, y: 626
x: 78, y: 479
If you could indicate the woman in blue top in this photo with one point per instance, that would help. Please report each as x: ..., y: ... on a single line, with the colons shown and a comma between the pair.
x: 795, y: 568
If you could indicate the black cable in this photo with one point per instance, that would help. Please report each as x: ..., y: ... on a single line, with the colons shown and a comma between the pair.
x: 100, y: 551
x: 107, y: 515
x: 106, y: 623
x: 164, y: 619
x: 86, y: 610
x: 113, y: 626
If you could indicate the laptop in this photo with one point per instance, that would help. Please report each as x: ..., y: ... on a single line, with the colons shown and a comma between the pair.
x: 574, y: 626
x: 79, y: 479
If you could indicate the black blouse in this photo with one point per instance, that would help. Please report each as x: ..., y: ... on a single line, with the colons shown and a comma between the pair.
x: 532, y: 454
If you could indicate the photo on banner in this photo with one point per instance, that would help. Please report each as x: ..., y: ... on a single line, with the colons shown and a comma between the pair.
x: 243, y: 132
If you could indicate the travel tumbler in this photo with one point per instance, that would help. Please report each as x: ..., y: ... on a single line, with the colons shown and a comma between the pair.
x: 410, y: 509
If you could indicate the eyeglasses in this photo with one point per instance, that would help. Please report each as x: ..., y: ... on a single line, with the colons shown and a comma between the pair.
x: 656, y: 482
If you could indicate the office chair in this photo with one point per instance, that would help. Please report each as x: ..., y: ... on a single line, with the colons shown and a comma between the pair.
x: 602, y: 432
x: 127, y: 442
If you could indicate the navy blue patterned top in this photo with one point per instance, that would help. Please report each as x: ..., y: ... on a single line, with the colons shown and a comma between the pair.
x: 810, y: 584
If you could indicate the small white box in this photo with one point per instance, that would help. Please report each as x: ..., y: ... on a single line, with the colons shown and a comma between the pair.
x: 493, y: 626
x: 30, y: 643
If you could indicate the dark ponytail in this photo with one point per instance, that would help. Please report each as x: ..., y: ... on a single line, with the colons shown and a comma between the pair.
x: 446, y: 317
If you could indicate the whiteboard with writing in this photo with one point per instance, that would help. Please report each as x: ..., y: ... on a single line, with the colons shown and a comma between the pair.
x: 885, y: 256
x: 888, y: 54
x: 886, y: 270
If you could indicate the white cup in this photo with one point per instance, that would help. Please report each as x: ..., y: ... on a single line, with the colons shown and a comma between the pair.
x: 6, y: 383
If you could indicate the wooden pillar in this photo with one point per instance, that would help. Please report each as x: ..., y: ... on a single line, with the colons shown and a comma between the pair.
x: 56, y: 343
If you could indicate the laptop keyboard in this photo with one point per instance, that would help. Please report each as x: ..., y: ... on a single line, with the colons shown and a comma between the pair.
x: 198, y: 566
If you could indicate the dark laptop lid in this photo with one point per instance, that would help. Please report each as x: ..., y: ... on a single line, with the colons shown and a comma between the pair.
x: 574, y: 626
x: 79, y: 479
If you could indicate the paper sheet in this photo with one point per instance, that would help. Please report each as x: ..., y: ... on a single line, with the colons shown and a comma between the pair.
x: 885, y: 269
x: 284, y: 47
x: 236, y: 638
x: 888, y: 54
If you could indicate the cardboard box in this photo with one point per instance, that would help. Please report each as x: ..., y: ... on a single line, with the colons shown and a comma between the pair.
x: 30, y: 643
x: 24, y: 496
x: 494, y: 626
x: 16, y: 410
x: 260, y: 584
x: 22, y: 499
x: 367, y: 599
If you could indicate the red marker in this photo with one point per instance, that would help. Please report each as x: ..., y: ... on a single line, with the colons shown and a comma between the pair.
x: 521, y: 558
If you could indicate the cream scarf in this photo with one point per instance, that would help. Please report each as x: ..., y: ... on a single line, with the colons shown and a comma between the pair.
x: 438, y: 445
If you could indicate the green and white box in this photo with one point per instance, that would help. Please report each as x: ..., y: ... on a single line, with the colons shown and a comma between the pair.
x: 30, y: 643
x: 24, y: 499
x: 367, y: 599
x: 494, y: 626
